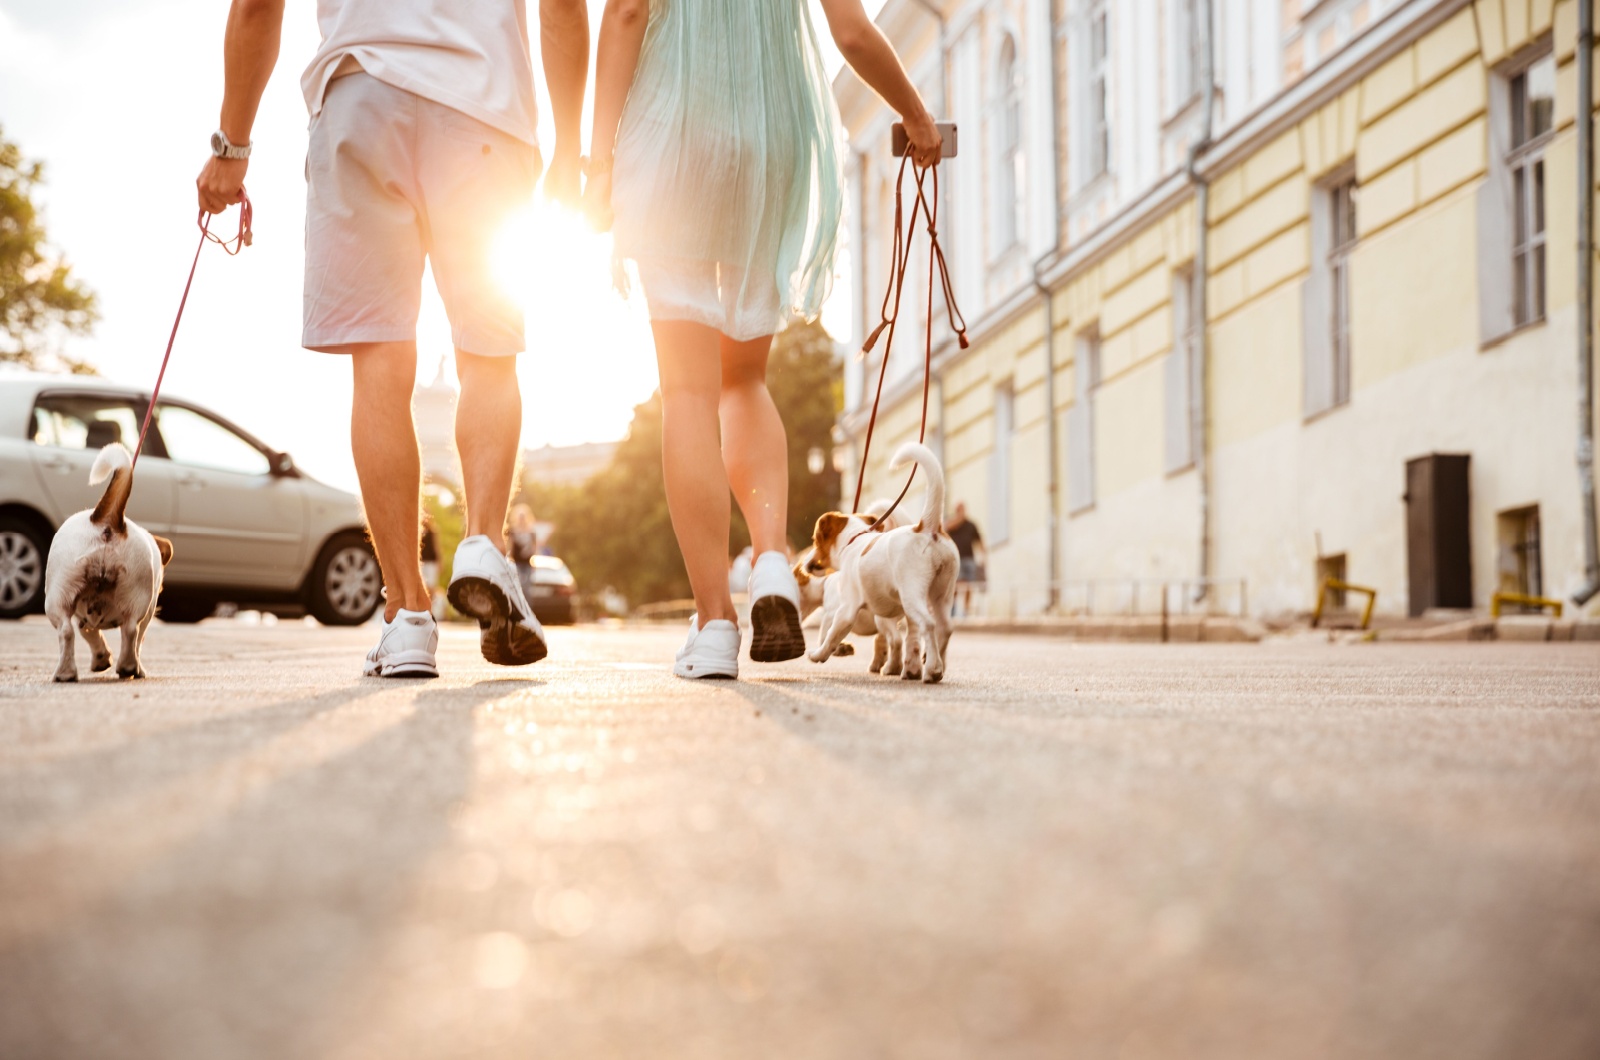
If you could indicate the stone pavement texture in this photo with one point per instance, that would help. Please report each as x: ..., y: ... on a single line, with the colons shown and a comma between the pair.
x: 1067, y: 850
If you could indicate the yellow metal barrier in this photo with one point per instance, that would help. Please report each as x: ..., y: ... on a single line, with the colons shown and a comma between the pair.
x: 1336, y: 584
x: 1522, y: 600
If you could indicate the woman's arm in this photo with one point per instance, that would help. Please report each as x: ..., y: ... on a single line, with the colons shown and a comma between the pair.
x: 564, y: 47
x: 621, y: 37
x: 870, y: 55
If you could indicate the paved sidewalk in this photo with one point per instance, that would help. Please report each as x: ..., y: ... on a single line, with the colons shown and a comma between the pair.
x: 1274, y: 850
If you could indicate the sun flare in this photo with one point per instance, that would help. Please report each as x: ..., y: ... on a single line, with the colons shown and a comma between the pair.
x: 590, y: 355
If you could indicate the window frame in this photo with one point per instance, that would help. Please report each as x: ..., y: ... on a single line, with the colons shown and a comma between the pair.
x: 1343, y: 194
x: 1530, y: 286
x: 1009, y: 156
x: 1097, y: 91
x: 1327, y: 346
x: 1504, y: 308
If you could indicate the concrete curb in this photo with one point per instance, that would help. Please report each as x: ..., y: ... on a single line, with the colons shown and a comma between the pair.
x: 1180, y: 629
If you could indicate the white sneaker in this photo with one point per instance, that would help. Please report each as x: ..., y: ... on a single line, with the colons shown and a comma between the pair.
x: 485, y: 586
x: 406, y: 647
x: 774, y: 610
x: 712, y: 651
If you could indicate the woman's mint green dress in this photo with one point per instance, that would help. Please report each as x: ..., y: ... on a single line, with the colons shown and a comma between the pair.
x: 727, y: 188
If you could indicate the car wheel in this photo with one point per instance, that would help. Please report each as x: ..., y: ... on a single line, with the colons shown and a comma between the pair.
x: 184, y: 609
x: 23, y: 549
x: 346, y: 584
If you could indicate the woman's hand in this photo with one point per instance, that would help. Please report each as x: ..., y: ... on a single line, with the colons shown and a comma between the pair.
x: 922, y: 136
x: 597, y: 200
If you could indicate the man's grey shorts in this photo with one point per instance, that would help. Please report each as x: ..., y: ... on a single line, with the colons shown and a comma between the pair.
x: 394, y: 179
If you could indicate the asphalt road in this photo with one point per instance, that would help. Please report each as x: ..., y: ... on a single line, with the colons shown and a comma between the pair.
x: 1280, y: 850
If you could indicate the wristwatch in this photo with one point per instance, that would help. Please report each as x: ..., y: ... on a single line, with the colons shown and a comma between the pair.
x: 222, y: 147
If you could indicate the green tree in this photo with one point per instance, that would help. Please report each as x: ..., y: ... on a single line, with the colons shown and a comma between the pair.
x: 39, y: 296
x: 615, y: 529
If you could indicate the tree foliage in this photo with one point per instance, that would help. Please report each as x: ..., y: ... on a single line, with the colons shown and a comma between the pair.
x: 39, y: 296
x: 615, y: 529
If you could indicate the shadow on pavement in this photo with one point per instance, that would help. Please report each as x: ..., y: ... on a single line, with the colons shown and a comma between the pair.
x: 242, y: 941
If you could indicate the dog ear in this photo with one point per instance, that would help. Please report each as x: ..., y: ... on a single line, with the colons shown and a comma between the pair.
x: 800, y: 576
x: 164, y: 547
x: 829, y: 527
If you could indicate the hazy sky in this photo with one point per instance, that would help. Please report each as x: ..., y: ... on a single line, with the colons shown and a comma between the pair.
x: 119, y: 98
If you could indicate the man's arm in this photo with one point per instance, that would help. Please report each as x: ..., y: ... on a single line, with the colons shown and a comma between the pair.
x: 564, y: 47
x: 249, y: 51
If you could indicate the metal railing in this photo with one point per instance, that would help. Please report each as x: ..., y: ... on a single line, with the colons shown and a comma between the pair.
x: 1110, y: 598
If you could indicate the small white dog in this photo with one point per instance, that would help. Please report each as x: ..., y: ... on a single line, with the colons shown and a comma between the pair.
x: 104, y: 571
x: 824, y: 591
x: 908, y: 572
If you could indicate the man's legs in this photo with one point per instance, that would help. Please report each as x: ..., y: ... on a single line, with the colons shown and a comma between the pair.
x: 383, y: 440
x: 488, y: 432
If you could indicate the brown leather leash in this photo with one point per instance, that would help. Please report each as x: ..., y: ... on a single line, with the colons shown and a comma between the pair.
x: 232, y: 247
x: 899, y: 259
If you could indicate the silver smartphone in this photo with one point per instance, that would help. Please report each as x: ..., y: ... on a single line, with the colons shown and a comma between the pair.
x: 947, y: 133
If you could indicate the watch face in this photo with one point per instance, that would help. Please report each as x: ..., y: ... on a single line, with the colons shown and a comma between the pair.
x: 218, y: 144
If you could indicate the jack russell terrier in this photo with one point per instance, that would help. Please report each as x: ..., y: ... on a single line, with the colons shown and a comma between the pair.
x: 104, y: 571
x: 908, y: 572
x: 823, y: 591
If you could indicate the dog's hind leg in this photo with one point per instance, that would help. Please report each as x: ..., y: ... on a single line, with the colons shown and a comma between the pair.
x: 880, y: 652
x: 911, y: 651
x: 67, y: 635
x: 921, y: 617
x: 100, y: 651
x: 834, y: 635
x: 888, y: 642
x: 128, y: 657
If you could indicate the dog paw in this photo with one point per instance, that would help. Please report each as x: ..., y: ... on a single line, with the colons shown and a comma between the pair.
x: 891, y: 671
x: 816, y: 656
x: 100, y: 663
x: 845, y: 649
x: 134, y: 674
x: 910, y: 675
x: 65, y: 677
x: 933, y: 677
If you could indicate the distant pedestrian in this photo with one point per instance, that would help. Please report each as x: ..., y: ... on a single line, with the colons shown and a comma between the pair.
x: 522, y: 543
x: 430, y: 566
x: 974, y: 556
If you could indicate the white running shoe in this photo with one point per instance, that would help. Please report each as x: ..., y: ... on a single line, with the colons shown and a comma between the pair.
x: 485, y: 586
x: 774, y: 610
x: 712, y: 651
x: 406, y: 647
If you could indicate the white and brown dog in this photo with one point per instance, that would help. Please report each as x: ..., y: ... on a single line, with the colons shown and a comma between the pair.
x: 104, y: 571
x: 908, y: 572
x: 822, y: 590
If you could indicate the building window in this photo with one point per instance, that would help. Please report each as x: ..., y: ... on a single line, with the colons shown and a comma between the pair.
x: 1080, y: 424
x: 1000, y: 468
x: 1184, y: 52
x: 1342, y: 215
x: 1511, y: 214
x: 1180, y: 383
x: 1531, y: 111
x: 1097, y: 127
x: 1327, y: 304
x: 1010, y: 164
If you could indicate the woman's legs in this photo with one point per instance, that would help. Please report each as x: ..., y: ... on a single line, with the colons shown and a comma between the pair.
x: 709, y: 380
x: 755, y: 448
x: 691, y: 457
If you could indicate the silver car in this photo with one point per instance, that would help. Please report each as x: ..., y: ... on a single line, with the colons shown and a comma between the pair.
x: 247, y: 526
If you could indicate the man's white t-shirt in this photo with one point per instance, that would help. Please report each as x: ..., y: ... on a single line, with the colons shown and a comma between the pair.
x: 470, y: 55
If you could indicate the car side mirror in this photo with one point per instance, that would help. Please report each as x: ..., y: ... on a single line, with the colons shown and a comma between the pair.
x: 283, y: 466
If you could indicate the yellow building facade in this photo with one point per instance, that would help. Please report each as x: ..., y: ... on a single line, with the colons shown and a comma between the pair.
x: 1389, y: 273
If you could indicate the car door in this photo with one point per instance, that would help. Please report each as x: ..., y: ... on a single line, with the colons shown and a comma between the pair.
x: 68, y: 430
x: 240, y: 525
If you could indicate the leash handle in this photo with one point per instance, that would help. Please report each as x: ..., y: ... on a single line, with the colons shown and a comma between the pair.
x: 232, y: 246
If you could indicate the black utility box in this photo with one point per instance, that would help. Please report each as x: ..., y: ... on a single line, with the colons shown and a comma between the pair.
x: 1438, y: 531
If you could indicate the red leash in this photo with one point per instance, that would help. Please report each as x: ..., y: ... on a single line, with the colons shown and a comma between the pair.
x: 231, y: 246
x: 899, y: 258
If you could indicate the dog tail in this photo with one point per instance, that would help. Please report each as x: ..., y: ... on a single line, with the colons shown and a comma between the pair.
x: 933, y: 507
x: 114, y: 460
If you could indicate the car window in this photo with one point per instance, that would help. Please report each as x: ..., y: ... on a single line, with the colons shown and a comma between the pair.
x: 199, y: 441
x: 84, y: 421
